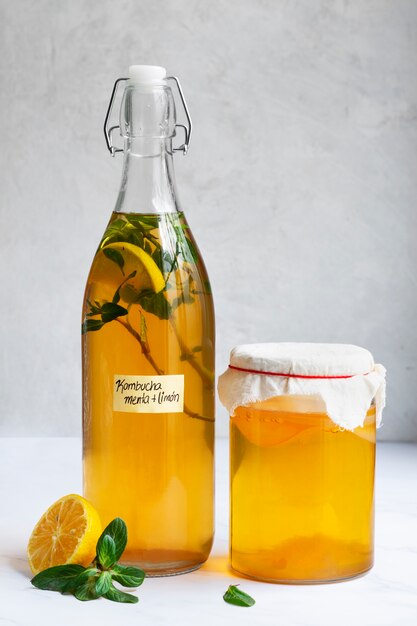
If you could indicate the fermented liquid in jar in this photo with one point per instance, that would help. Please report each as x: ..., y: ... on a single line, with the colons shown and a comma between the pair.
x: 311, y: 485
x: 148, y: 351
x: 302, y: 459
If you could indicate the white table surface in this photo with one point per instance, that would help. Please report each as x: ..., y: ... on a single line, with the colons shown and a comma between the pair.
x: 35, y: 472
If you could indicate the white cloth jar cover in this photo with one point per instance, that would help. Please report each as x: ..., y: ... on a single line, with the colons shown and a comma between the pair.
x: 344, y: 376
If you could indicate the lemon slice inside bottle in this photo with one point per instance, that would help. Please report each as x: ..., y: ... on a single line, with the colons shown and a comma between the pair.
x: 125, y: 264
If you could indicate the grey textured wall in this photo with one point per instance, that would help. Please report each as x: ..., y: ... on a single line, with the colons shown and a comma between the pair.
x: 300, y: 184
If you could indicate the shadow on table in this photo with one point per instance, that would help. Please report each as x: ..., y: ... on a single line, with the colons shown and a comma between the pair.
x: 20, y: 564
x: 218, y: 564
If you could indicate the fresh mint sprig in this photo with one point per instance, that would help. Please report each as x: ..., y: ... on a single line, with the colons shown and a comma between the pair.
x: 96, y: 581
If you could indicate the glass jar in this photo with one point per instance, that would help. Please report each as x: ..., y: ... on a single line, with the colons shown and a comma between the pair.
x: 303, y: 421
x: 301, y: 492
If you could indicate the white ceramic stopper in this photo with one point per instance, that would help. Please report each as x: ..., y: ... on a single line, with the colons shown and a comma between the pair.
x: 147, y: 74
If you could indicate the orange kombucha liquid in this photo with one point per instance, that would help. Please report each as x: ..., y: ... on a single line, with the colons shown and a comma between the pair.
x: 154, y: 470
x: 302, y: 493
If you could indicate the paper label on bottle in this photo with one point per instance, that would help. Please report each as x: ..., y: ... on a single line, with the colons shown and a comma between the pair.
x: 148, y: 394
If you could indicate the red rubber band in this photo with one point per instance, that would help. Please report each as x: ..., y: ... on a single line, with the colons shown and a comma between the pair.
x: 243, y: 369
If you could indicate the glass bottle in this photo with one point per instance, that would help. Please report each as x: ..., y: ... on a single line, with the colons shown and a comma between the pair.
x: 148, y: 350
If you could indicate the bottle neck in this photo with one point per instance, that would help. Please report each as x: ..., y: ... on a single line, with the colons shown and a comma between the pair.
x: 148, y: 179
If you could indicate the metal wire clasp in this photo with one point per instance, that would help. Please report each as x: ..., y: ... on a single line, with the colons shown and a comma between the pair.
x: 187, y: 130
x: 109, y: 130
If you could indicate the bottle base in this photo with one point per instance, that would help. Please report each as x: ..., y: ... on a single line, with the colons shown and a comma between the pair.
x: 160, y: 564
x: 174, y: 571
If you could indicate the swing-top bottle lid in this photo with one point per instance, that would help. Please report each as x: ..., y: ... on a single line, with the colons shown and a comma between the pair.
x: 147, y: 74
x: 140, y: 101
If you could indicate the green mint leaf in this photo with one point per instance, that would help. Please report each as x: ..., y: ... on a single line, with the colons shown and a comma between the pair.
x: 187, y: 247
x: 118, y: 532
x: 155, y: 303
x: 115, y: 595
x: 207, y: 287
x: 116, y: 257
x: 129, y: 294
x: 136, y: 237
x: 184, y: 298
x: 86, y: 590
x: 154, y: 240
x: 116, y: 231
x: 90, y: 325
x: 149, y: 220
x: 128, y: 576
x: 103, y: 583
x: 147, y: 247
x: 80, y: 580
x: 123, y: 285
x: 191, y: 254
x: 186, y: 294
x: 110, y: 311
x: 57, y: 578
x: 237, y: 597
x: 117, y: 225
x: 197, y: 349
x: 136, y: 221
x: 95, y: 308
x: 106, y: 552
x: 157, y: 257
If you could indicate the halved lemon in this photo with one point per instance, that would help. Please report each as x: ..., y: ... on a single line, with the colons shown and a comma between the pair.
x: 66, y: 533
x: 125, y: 263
